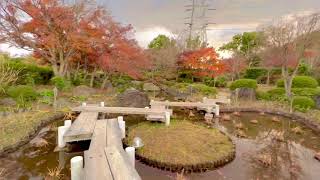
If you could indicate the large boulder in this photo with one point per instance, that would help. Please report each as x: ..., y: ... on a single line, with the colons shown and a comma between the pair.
x: 317, y: 100
x: 150, y: 87
x: 8, y: 102
x: 133, y: 98
x: 83, y: 91
x: 244, y: 94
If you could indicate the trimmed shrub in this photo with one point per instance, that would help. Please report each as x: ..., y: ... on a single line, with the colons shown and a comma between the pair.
x: 255, y: 73
x: 22, y: 93
x: 263, y: 95
x: 302, y: 103
x: 203, y: 89
x: 31, y: 73
x: 301, y: 82
x: 243, y: 83
x: 60, y: 83
x: 277, y: 94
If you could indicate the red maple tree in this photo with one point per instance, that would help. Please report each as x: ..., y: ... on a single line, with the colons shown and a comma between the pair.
x: 204, y: 62
x: 64, y: 35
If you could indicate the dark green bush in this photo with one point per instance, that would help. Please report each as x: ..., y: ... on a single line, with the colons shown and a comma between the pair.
x: 279, y: 94
x: 263, y: 95
x: 22, y: 93
x: 185, y: 76
x: 243, y: 83
x: 60, y: 83
x: 255, y: 73
x: 46, y: 96
x: 31, y: 73
x: 301, y: 82
x: 304, y: 69
x: 303, y: 103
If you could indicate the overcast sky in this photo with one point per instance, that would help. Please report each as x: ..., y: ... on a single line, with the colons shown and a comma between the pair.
x: 152, y: 17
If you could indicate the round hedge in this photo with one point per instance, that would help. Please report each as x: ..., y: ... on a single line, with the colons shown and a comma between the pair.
x: 301, y: 82
x: 302, y: 102
x: 182, y: 146
x: 243, y: 83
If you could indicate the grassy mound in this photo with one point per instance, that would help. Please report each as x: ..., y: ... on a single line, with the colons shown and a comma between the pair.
x: 182, y: 146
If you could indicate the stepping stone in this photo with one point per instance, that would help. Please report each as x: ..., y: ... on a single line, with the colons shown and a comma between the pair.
x: 317, y: 156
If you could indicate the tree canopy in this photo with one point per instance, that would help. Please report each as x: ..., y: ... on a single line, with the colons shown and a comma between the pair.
x: 204, y: 62
x: 65, y: 35
x: 161, y: 41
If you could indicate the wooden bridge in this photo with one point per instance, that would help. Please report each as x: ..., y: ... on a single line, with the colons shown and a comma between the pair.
x: 106, y: 159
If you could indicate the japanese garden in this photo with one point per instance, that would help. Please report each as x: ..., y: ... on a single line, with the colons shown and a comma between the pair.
x: 89, y: 101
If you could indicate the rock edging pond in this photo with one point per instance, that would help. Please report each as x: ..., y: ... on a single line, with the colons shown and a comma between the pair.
x: 30, y: 135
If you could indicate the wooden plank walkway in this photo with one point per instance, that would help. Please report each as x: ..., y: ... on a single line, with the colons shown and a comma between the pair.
x: 120, y: 110
x: 82, y: 128
x: 181, y: 104
x: 96, y: 163
x: 106, y: 159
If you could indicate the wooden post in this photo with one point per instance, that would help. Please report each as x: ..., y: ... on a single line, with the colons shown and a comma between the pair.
x: 131, y: 153
x: 77, y: 168
x: 55, y: 95
x: 61, y: 131
x: 67, y: 123
x: 167, y: 116
x: 217, y: 110
x: 102, y: 104
x: 122, y: 126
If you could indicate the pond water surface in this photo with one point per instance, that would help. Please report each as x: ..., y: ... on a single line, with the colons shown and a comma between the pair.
x: 268, y: 149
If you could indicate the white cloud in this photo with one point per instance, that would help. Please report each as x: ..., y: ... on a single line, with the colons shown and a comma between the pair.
x: 14, y: 51
x: 144, y: 36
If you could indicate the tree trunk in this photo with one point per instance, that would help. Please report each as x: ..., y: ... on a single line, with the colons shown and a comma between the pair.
x: 92, y: 77
x: 268, y: 77
x: 105, y: 80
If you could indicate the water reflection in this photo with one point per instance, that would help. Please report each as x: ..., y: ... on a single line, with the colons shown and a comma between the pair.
x: 271, y: 150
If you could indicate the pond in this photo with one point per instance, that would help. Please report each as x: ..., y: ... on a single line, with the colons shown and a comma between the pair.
x: 270, y: 148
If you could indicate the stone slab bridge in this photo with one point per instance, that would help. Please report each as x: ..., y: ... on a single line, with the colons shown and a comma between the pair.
x: 106, y: 159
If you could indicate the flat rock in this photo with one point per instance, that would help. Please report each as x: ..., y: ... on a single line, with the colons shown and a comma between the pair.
x: 244, y: 94
x: 8, y: 102
x: 226, y: 117
x: 275, y: 119
x: 38, y: 142
x: 317, y: 156
x: 150, y: 87
x: 254, y: 121
x: 83, y: 91
x: 236, y: 113
x: 133, y: 98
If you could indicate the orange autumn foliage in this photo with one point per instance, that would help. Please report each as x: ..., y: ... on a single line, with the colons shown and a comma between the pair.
x: 204, y: 62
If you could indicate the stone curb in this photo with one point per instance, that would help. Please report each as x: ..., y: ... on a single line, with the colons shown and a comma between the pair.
x: 44, y: 122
